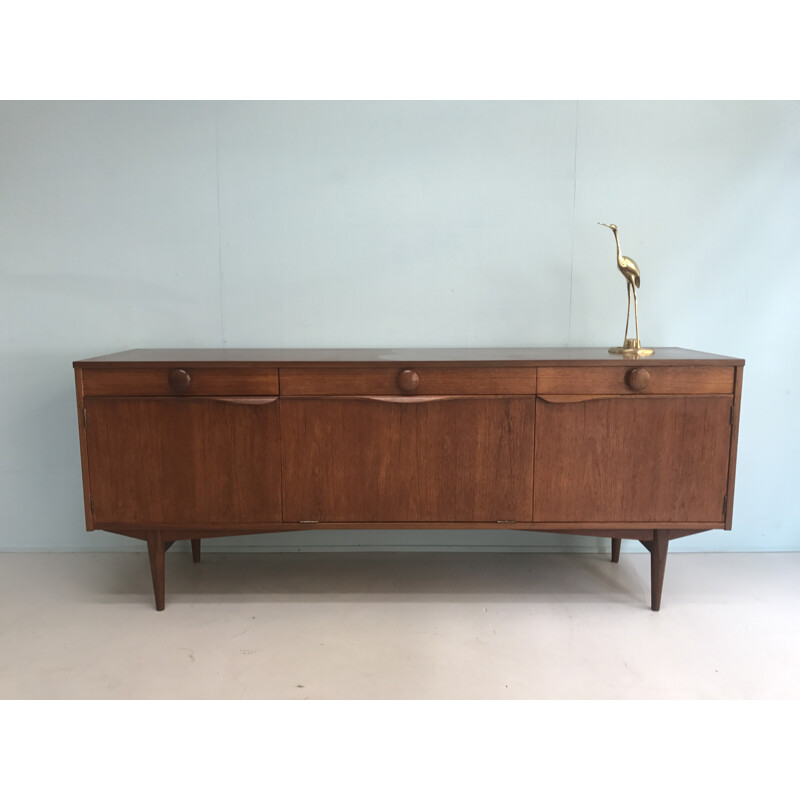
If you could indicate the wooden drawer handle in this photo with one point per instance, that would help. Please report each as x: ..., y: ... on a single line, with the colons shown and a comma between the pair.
x: 243, y: 401
x: 179, y: 381
x: 430, y: 398
x: 638, y: 379
x: 408, y: 380
x: 563, y: 399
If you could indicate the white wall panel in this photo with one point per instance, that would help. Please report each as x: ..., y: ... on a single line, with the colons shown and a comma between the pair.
x: 706, y: 196
x: 396, y: 224
x: 108, y: 240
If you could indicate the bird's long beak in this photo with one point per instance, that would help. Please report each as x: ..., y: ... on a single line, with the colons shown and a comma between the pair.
x: 604, y: 223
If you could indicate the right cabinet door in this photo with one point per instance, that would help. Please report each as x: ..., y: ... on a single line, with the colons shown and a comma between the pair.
x: 631, y: 459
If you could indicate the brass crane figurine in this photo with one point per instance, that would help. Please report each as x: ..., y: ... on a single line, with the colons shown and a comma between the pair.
x: 630, y: 271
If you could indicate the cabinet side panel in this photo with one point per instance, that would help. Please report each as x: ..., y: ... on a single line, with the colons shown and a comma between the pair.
x: 87, y: 485
x: 737, y: 402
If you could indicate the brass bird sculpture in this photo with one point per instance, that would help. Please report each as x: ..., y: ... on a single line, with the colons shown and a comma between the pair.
x: 630, y: 271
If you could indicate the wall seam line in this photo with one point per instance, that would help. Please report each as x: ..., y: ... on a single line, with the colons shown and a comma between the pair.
x: 219, y: 228
x: 572, y: 245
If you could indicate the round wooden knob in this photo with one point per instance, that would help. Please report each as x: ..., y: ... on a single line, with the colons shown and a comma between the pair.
x: 408, y: 380
x: 179, y: 380
x: 638, y: 379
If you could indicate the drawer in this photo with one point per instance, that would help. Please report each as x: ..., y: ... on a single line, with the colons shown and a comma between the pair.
x: 407, y: 380
x: 635, y: 379
x: 149, y: 381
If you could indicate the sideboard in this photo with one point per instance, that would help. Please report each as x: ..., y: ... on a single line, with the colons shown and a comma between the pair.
x: 189, y: 444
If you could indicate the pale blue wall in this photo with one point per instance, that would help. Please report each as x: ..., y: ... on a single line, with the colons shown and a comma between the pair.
x: 392, y: 224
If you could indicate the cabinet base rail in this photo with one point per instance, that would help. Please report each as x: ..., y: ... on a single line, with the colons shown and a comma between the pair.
x: 655, y: 541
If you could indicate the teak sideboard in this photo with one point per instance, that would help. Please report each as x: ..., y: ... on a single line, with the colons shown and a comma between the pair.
x: 188, y: 444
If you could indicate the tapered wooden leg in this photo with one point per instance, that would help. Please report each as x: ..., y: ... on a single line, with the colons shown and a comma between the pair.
x: 615, y: 545
x: 195, y: 550
x: 658, y: 561
x: 156, y: 549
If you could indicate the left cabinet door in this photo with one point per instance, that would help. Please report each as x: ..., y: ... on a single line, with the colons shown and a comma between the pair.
x: 184, y: 461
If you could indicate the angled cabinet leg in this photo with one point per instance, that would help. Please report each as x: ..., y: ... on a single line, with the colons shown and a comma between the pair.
x: 156, y: 549
x: 658, y: 561
x: 615, y: 545
x: 195, y: 550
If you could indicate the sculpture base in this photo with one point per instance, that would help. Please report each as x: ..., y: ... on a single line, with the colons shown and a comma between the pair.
x: 632, y: 349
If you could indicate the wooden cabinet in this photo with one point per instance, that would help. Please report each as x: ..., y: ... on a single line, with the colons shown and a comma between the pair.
x: 181, y: 444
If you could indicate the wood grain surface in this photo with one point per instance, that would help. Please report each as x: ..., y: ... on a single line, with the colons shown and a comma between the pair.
x: 456, y: 356
x: 387, y: 380
x: 203, y: 381
x: 614, y: 380
x: 635, y: 459
x: 363, y: 459
x: 189, y: 444
x: 184, y: 461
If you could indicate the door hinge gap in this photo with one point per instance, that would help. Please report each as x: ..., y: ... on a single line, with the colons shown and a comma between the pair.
x: 84, y: 418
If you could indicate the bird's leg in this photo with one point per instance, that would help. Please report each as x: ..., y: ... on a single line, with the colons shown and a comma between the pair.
x: 628, y: 318
x: 636, y: 312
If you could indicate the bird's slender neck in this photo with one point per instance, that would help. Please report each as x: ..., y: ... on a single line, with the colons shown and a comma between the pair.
x: 619, y: 249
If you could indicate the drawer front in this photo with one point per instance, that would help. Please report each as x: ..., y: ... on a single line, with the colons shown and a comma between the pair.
x: 177, y: 381
x: 408, y: 380
x: 637, y: 378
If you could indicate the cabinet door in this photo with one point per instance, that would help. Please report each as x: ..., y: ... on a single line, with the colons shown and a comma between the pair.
x: 403, y: 459
x: 184, y: 461
x: 632, y: 459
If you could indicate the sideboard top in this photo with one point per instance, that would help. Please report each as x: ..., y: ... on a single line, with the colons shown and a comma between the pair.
x: 496, y: 356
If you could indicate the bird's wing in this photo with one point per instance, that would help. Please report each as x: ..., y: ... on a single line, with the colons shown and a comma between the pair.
x: 631, y: 270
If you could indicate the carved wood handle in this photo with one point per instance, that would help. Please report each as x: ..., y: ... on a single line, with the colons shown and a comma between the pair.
x: 585, y: 398
x: 242, y: 401
x: 563, y: 399
x: 424, y: 399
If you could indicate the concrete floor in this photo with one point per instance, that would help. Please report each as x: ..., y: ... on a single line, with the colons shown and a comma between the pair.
x: 399, y: 626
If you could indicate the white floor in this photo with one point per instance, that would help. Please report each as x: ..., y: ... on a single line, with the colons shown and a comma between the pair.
x: 399, y: 625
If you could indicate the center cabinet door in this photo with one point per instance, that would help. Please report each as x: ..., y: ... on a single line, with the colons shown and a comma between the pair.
x: 415, y: 459
x: 184, y: 461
